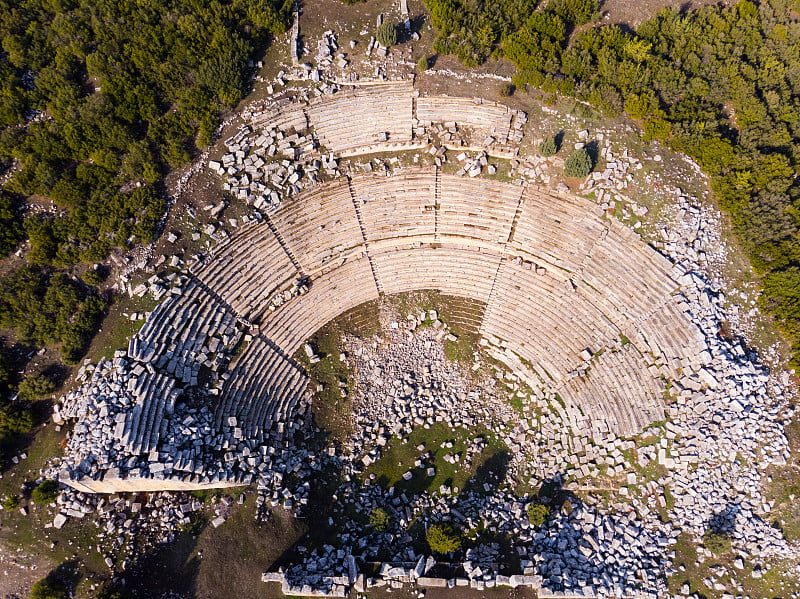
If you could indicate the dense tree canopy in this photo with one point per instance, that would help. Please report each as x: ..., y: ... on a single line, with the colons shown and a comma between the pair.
x: 721, y: 84
x: 126, y: 90
x: 49, y: 308
x: 98, y: 100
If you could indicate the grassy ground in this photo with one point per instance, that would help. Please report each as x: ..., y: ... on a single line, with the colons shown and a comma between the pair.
x: 76, y: 542
x: 116, y: 328
x: 701, y: 574
x: 782, y: 485
x: 400, y: 454
x: 232, y: 557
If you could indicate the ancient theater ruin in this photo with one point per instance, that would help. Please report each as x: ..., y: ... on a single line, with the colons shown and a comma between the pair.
x: 607, y: 335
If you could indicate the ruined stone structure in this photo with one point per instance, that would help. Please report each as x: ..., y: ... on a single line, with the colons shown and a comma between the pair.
x: 576, y: 304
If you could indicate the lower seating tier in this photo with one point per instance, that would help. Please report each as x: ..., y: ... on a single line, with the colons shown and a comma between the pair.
x: 262, y: 391
x: 336, y: 290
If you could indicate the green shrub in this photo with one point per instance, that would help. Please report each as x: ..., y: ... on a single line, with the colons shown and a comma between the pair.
x: 717, y: 542
x: 36, y: 386
x: 114, y: 593
x: 379, y: 519
x: 15, y: 418
x: 92, y: 277
x: 386, y: 34
x: 423, y: 64
x: 46, y: 492
x: 507, y: 89
x: 11, y: 502
x: 548, y: 147
x: 579, y: 164
x: 443, y: 538
x: 47, y: 588
x: 538, y: 514
x: 656, y: 128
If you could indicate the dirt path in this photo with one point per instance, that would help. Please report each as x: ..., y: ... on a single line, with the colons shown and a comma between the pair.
x: 18, y: 572
x: 634, y: 12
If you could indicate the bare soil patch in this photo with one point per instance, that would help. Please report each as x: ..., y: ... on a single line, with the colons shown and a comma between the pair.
x: 634, y: 12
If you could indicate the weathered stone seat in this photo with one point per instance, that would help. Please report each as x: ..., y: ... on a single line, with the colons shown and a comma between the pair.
x: 483, y: 117
x: 363, y: 116
x: 320, y: 225
x: 236, y: 270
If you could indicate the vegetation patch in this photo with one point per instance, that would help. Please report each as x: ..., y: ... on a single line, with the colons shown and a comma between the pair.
x: 443, y: 538
x: 400, y: 456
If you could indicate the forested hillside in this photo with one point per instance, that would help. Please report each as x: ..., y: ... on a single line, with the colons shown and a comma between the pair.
x: 721, y: 84
x: 98, y: 101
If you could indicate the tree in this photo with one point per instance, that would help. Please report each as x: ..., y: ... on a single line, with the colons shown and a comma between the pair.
x: 48, y: 588
x: 579, y: 164
x: 386, y: 34
x: 35, y: 386
x: 379, y: 519
x: 11, y: 232
x: 423, y: 64
x: 548, y: 147
x: 443, y: 538
x: 506, y: 89
x: 46, y: 492
x: 15, y: 419
x: 538, y: 514
x: 717, y: 542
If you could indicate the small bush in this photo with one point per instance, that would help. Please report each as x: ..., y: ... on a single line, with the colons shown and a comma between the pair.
x: 46, y: 492
x: 15, y: 419
x: 579, y: 164
x: 507, y: 89
x: 92, y: 277
x: 379, y: 519
x: 538, y: 514
x: 548, y: 147
x: 11, y: 502
x: 386, y: 34
x: 423, y: 64
x: 443, y: 538
x: 47, y: 588
x: 114, y: 593
x: 717, y: 542
x: 36, y: 386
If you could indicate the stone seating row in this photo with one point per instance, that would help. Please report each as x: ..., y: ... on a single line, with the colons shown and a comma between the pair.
x: 154, y: 397
x: 362, y: 116
x: 236, y: 271
x: 543, y: 321
x: 482, y: 116
x: 546, y: 316
x: 326, y: 218
x: 668, y: 332
x: 558, y: 230
x: 340, y: 288
x: 648, y: 279
x: 262, y: 391
x: 185, y: 332
x: 617, y: 391
x: 283, y: 116
x: 397, y: 206
x: 319, y: 225
x: 462, y: 271
x: 476, y: 208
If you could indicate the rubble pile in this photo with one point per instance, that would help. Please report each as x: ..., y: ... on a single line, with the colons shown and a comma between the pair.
x: 262, y: 167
